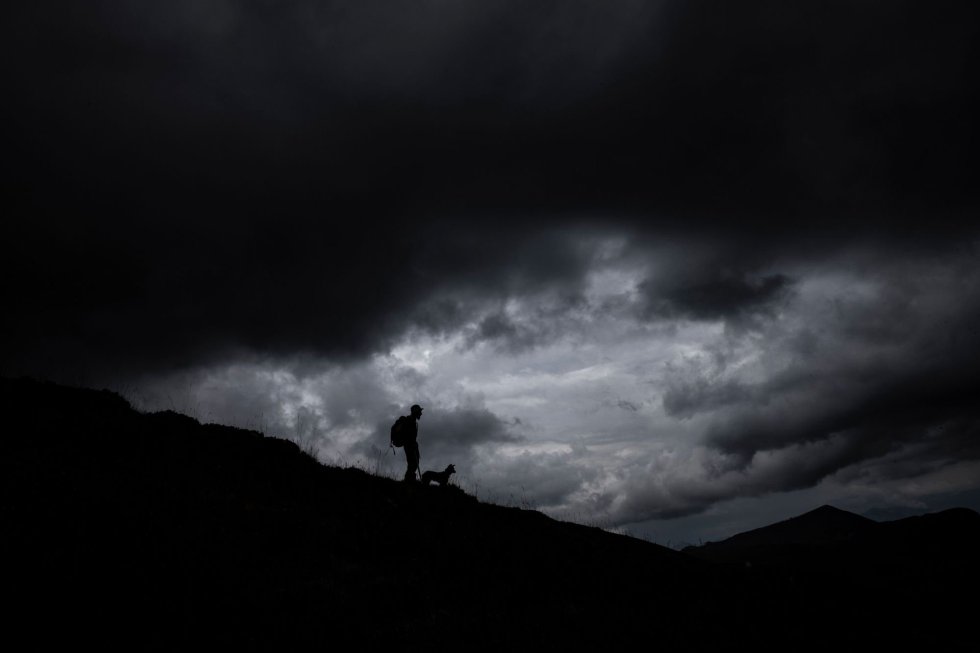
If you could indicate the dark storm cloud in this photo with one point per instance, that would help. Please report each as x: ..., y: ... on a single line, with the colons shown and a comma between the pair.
x: 627, y: 405
x: 685, y: 398
x: 720, y: 294
x: 876, y: 408
x: 198, y: 181
x: 499, y: 328
x: 873, y: 381
x: 547, y: 317
x: 882, y: 362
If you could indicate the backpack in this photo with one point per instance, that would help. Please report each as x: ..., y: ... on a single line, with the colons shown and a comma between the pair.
x: 398, y: 433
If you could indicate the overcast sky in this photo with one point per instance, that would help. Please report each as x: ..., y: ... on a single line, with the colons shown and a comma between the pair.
x: 680, y: 268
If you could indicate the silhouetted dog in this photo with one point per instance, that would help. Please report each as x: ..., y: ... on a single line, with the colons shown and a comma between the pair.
x: 439, y: 477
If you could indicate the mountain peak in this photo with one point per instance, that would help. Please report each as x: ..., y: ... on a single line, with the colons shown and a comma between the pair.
x: 827, y: 511
x: 824, y: 525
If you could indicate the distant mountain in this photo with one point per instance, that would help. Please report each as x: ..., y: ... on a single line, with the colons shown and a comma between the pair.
x: 830, y: 531
x: 153, y: 531
x: 914, y: 573
x: 825, y: 526
x: 954, y: 532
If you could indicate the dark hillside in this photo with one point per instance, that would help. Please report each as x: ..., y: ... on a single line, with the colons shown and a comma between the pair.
x: 152, y: 531
x: 154, y: 524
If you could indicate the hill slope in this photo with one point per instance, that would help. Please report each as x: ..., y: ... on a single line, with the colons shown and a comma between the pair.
x: 152, y: 531
x: 185, y: 531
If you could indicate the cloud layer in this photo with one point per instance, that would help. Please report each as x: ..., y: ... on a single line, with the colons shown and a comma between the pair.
x: 637, y: 260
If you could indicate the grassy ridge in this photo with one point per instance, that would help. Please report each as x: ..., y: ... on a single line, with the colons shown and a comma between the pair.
x: 153, y: 531
x: 191, y: 531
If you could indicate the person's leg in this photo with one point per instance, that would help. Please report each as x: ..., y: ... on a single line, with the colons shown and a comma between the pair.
x: 412, y: 458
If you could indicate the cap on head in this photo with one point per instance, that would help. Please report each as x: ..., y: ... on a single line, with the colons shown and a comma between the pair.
x: 416, y: 409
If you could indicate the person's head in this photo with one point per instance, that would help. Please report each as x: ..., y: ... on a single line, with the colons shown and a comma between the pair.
x: 416, y: 411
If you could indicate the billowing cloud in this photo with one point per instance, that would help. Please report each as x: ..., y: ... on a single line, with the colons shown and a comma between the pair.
x: 722, y: 296
x: 200, y: 179
x: 637, y: 261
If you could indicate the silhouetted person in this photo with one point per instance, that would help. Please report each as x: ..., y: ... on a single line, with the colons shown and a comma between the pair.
x: 406, y: 432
